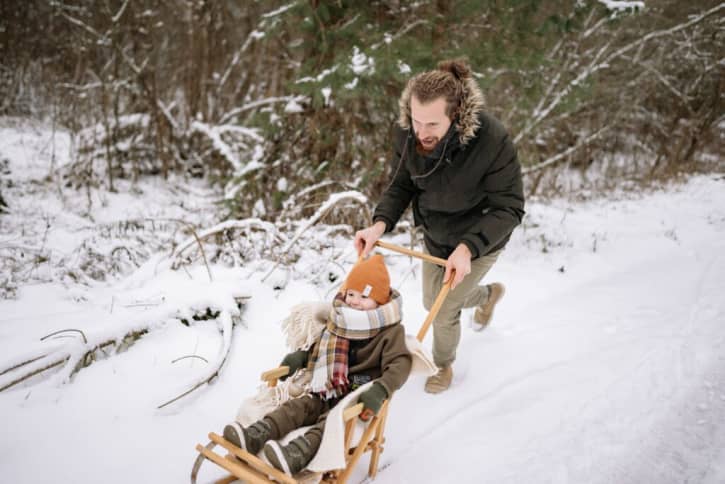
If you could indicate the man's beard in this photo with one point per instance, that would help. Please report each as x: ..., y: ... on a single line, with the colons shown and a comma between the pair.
x: 428, y: 148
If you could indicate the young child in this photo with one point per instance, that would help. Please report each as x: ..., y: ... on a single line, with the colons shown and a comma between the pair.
x: 363, y: 341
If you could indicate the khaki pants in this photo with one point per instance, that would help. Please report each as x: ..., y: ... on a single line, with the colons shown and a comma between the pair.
x: 468, y: 294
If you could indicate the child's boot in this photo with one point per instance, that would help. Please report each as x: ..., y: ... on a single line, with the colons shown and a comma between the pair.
x: 250, y: 438
x: 293, y: 457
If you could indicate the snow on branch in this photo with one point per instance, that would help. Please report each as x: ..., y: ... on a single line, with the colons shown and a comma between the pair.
x: 278, y: 11
x: 601, y: 60
x: 185, y: 302
x: 293, y: 204
x: 326, y: 207
x: 620, y: 5
x: 250, y: 223
x: 334, y: 200
x: 253, y: 35
x: 214, y: 134
x: 387, y: 38
x: 560, y: 156
x: 70, y: 357
x: 260, y: 102
x: 226, y: 327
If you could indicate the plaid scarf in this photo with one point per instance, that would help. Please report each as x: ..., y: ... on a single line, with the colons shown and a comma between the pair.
x: 329, y: 360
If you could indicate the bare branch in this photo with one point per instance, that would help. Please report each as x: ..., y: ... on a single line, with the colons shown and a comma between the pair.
x: 190, y: 356
x: 227, y: 326
x: 260, y: 102
x: 118, y: 15
x: 603, y: 60
x: 227, y: 225
x: 326, y: 207
x: 560, y: 156
x: 85, y: 340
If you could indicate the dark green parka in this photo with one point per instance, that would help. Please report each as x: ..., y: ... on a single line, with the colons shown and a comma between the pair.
x: 468, y: 190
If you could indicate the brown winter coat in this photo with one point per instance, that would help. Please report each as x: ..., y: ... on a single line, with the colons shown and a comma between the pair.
x: 384, y: 358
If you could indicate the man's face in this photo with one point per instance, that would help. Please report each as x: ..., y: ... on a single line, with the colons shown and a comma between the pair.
x: 430, y: 122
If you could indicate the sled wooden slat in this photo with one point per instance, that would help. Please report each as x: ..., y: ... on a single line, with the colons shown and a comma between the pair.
x: 227, y: 480
x: 349, y: 416
x: 254, y: 470
x: 352, y: 412
x: 378, y: 441
x: 360, y: 449
x: 252, y: 460
x: 248, y: 474
x: 271, y: 376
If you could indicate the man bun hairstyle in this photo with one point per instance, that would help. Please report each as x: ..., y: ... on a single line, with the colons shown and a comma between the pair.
x: 447, y: 81
x: 458, y: 67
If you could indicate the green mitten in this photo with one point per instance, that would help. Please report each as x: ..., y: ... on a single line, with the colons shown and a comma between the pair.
x: 372, y: 399
x: 295, y: 361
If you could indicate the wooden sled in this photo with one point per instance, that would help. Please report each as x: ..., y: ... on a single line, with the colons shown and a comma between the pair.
x: 251, y: 469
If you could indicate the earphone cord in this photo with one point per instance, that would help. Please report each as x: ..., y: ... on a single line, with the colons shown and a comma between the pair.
x: 436, y: 165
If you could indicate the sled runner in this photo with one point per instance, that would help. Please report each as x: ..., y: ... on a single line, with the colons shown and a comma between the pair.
x: 251, y: 469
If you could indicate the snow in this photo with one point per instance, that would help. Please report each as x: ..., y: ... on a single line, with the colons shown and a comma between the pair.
x: 319, y: 77
x: 293, y: 106
x: 617, y: 5
x: 605, y: 361
x: 326, y: 93
x: 278, y: 11
x: 361, y: 63
x: 404, y: 68
x: 282, y: 184
x: 214, y: 133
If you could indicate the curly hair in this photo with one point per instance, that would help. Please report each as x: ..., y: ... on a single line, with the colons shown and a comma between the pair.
x: 446, y: 81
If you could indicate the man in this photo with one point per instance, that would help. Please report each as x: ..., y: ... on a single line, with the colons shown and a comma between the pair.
x: 458, y: 167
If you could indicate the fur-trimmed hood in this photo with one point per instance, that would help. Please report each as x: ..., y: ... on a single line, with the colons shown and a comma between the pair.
x: 468, y: 118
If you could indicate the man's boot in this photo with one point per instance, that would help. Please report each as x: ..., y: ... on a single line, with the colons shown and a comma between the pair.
x: 250, y: 438
x: 483, y: 314
x: 440, y: 381
x: 293, y: 457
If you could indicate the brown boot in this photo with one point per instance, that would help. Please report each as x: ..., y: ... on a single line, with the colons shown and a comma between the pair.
x: 440, y: 381
x: 484, y: 312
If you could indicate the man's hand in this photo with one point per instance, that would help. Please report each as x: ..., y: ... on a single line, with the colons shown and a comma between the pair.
x: 460, y: 262
x: 365, y: 239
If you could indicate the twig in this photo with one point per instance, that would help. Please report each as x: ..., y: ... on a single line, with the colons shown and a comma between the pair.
x: 560, y: 156
x: 226, y: 329
x: 602, y: 61
x: 190, y: 356
x: 60, y: 361
x: 326, y: 207
x: 27, y: 362
x: 85, y: 340
x: 203, y: 254
x: 80, y: 359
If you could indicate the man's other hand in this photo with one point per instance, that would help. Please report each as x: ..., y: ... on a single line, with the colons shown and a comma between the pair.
x: 460, y: 262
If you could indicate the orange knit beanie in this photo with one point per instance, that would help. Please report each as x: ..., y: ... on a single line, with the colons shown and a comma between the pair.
x: 371, y: 278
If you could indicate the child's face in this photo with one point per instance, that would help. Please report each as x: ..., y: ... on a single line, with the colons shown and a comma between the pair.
x: 357, y: 300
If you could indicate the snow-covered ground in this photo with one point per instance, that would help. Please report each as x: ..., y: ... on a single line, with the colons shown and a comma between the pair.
x: 605, y: 361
